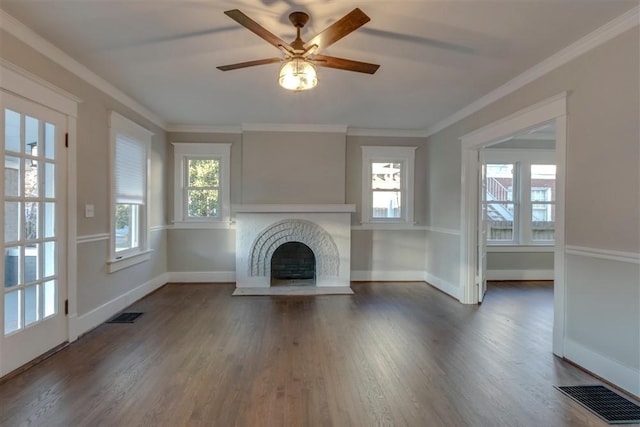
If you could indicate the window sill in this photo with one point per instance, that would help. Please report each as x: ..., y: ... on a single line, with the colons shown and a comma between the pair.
x: 520, y: 248
x: 118, y: 264
x: 386, y: 226
x: 201, y: 225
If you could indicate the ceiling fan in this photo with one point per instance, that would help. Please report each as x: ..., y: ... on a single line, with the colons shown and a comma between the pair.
x: 298, y: 71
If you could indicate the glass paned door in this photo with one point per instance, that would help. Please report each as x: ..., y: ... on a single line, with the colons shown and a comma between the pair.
x: 34, y: 291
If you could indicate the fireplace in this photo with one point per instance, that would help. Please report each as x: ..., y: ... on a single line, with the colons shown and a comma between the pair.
x: 262, y: 230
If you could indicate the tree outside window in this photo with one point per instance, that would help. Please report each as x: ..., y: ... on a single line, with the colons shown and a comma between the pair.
x: 203, y: 188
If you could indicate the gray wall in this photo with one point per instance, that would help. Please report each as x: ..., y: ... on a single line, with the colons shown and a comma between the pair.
x: 602, y: 198
x: 95, y: 286
x: 520, y: 261
x: 293, y: 167
x: 303, y: 167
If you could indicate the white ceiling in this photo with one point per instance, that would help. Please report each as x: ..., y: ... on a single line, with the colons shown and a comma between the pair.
x: 436, y: 56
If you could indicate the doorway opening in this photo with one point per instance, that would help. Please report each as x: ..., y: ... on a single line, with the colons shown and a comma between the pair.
x: 517, y: 206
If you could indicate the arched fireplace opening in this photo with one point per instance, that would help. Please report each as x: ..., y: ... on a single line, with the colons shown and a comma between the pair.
x: 293, y: 263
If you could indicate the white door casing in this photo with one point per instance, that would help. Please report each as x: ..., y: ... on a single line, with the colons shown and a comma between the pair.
x: 553, y: 109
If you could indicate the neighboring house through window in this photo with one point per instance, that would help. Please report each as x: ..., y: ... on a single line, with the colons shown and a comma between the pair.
x: 130, y: 144
x: 387, y: 184
x: 519, y: 196
x: 201, y: 184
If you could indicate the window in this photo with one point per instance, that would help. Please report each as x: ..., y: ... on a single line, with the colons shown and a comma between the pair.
x: 201, y: 184
x: 519, y: 196
x: 387, y: 184
x: 130, y: 153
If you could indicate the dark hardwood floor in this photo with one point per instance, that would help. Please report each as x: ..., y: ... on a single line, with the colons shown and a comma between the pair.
x: 396, y: 354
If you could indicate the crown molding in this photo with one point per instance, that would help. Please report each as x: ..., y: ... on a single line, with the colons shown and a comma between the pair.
x: 230, y: 129
x: 277, y: 127
x: 608, y: 31
x: 388, y: 133
x: 203, y: 129
x: 43, y: 46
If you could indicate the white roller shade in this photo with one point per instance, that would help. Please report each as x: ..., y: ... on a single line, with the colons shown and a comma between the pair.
x: 130, y: 171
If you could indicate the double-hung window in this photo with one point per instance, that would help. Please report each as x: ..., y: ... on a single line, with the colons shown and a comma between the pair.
x: 130, y: 144
x: 201, y: 184
x: 519, y: 193
x: 387, y: 184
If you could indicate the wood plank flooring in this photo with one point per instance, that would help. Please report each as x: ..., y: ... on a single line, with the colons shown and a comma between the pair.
x: 393, y: 354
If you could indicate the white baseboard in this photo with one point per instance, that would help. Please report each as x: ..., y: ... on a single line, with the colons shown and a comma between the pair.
x: 519, y: 274
x: 625, y: 377
x: 84, y: 323
x: 441, y: 284
x: 387, y: 276
x: 202, y: 277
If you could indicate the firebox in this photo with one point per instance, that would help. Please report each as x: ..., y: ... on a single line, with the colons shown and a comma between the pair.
x: 293, y: 263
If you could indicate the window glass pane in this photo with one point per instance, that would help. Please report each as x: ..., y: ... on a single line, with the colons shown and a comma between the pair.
x: 500, y: 221
x: 543, y: 222
x: 31, y: 135
x: 12, y: 264
x: 49, y: 180
x: 127, y: 224
x: 203, y: 203
x: 31, y: 230
x: 11, y: 221
x: 31, y: 263
x: 49, y: 219
x: 31, y: 178
x: 49, y: 259
x: 49, y: 141
x: 499, y: 185
x: 543, y: 183
x: 31, y: 304
x: 12, y: 134
x: 12, y: 176
x: 385, y: 176
x: 204, y: 172
x: 50, y: 298
x: 386, y: 204
x: 12, y: 311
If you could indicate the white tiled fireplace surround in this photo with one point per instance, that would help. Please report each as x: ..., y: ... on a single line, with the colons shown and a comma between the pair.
x: 325, y: 229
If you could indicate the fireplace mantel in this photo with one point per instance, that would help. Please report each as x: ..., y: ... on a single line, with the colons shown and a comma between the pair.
x: 294, y: 208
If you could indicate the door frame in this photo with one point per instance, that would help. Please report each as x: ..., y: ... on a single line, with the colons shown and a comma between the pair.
x: 553, y: 109
x: 22, y: 83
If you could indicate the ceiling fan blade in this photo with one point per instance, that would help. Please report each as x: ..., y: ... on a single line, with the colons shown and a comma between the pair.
x: 256, y: 28
x: 248, y: 64
x: 345, y: 25
x: 345, y: 64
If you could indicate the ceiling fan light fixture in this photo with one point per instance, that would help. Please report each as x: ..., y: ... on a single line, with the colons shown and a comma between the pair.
x: 298, y: 74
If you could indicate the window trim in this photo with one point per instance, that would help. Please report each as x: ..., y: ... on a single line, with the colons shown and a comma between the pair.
x: 182, y: 152
x: 120, y: 125
x: 405, y: 156
x: 522, y: 159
